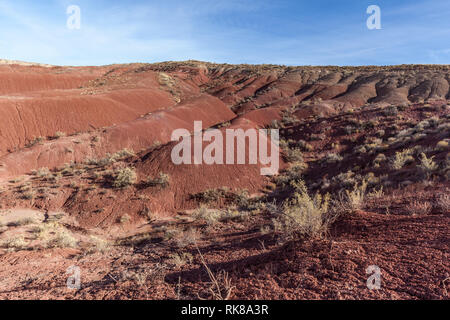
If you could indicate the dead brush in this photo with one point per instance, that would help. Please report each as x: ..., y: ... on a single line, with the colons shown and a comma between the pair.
x: 180, y: 259
x: 186, y: 238
x: 14, y: 244
x: 427, y: 165
x: 124, y: 178
x: 419, y: 208
x: 443, y: 203
x: 303, y: 215
x: 356, y: 197
x: 221, y: 286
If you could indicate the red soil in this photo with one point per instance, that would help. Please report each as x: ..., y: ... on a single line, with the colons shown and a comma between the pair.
x: 103, y: 110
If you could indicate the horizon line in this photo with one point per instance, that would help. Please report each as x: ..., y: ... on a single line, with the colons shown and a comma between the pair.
x: 43, y: 64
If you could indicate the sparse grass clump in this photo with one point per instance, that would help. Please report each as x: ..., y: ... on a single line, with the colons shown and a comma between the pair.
x: 54, y: 235
x: 98, y: 245
x: 376, y: 193
x: 221, y: 286
x: 111, y: 158
x: 180, y: 259
x: 238, y: 197
x: 304, y: 146
x: 443, y: 203
x: 21, y: 222
x: 124, y: 178
x: 187, y: 237
x: 289, y: 119
x: 123, y: 154
x: 35, y: 141
x: 210, y: 195
x: 355, y: 197
x: 344, y: 179
x: 124, y: 219
x: 275, y: 125
x: 419, y: 208
x: 28, y: 195
x: 42, y: 172
x: 295, y: 172
x: 380, y: 158
x: 163, y: 180
x: 210, y: 216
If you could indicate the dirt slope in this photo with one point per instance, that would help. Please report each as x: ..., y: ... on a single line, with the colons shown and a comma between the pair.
x: 70, y: 136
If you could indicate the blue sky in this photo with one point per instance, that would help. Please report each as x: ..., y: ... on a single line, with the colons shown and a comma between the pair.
x: 290, y: 32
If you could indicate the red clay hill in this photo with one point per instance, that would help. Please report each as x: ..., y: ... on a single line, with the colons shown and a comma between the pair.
x: 86, y: 174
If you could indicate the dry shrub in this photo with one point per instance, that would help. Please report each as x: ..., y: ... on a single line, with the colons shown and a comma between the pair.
x: 355, y: 198
x: 294, y: 155
x: 402, y: 158
x: 443, y: 203
x: 162, y: 180
x: 187, y: 237
x: 211, y: 217
x: 62, y: 239
x: 55, y: 235
x: 442, y: 145
x: 303, y: 215
x: 221, y: 286
x: 14, y: 244
x: 180, y: 259
x: 124, y: 177
x: 59, y: 134
x: 419, y: 208
x: 98, y: 245
x: 112, y: 158
x: 427, y: 165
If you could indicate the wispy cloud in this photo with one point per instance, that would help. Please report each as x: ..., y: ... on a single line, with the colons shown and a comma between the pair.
x: 287, y: 32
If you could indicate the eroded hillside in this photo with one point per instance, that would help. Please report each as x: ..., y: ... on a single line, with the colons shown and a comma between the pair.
x: 86, y: 179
